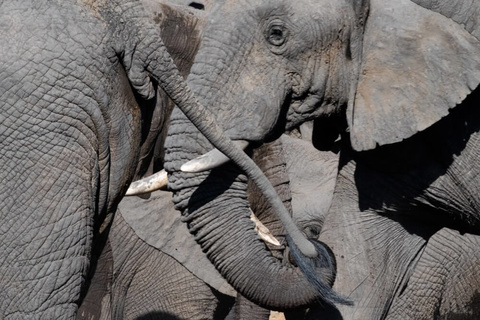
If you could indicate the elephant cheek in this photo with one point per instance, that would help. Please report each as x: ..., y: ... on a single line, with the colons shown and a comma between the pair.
x: 244, y: 107
x: 260, y: 123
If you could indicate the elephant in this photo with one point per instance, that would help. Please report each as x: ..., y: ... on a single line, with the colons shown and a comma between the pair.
x: 78, y: 101
x: 75, y: 91
x: 380, y: 74
x: 404, y: 224
x: 152, y: 267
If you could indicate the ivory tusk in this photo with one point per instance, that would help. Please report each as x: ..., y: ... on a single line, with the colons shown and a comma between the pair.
x: 263, y: 231
x: 210, y: 160
x: 157, y: 181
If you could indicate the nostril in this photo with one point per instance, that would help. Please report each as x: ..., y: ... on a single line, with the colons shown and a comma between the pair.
x: 197, y: 5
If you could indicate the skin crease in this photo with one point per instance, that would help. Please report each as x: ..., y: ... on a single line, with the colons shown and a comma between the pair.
x: 408, y: 225
x: 144, y: 280
x: 183, y: 143
x: 76, y: 99
x: 389, y: 82
x: 118, y: 267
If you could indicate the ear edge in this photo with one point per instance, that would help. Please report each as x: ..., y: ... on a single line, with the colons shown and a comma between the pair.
x: 465, y: 13
x: 435, y: 69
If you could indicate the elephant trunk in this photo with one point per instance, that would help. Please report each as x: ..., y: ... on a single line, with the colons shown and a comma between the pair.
x: 174, y: 85
x: 214, y: 205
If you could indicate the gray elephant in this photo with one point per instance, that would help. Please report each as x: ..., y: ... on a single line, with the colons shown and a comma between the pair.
x: 404, y: 224
x: 152, y: 267
x: 78, y: 111
x: 382, y: 73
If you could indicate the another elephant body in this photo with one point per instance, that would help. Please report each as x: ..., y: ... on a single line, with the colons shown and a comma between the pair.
x: 152, y: 266
x: 397, y: 78
x: 150, y: 284
x: 76, y: 104
x: 404, y: 224
x: 64, y: 101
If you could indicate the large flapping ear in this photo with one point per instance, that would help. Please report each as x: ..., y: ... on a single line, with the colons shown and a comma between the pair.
x: 155, y: 221
x: 417, y: 64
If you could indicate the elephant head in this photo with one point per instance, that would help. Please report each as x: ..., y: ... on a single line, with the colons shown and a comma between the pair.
x: 76, y: 100
x: 282, y: 63
x: 389, y: 69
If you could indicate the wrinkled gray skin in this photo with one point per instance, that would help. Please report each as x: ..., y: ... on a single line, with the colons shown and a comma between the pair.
x: 157, y: 270
x: 221, y: 194
x: 77, y: 103
x: 405, y: 224
x: 136, y: 279
x: 386, y: 70
x: 180, y: 28
x: 141, y: 250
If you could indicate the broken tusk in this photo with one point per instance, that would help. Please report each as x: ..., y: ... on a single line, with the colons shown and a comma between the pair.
x: 157, y: 181
x: 210, y: 160
x: 263, y: 231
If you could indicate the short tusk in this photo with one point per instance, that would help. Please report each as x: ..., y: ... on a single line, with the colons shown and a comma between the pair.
x: 210, y: 160
x: 157, y: 181
x: 263, y: 231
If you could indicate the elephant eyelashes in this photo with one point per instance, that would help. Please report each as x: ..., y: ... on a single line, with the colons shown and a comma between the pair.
x: 276, y: 33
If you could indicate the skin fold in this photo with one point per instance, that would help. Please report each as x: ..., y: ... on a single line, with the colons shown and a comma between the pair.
x: 408, y: 224
x: 387, y: 76
x: 78, y: 99
x: 151, y: 266
x: 195, y: 195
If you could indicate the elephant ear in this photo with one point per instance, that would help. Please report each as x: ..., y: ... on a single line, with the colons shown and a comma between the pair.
x: 466, y: 13
x: 417, y: 64
x: 156, y: 222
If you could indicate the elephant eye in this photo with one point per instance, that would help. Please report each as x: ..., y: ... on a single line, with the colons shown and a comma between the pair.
x: 276, y: 34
